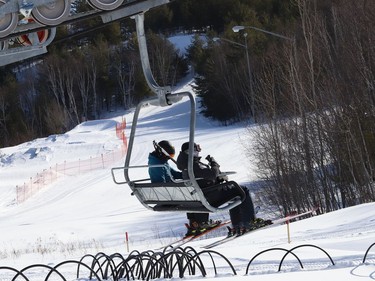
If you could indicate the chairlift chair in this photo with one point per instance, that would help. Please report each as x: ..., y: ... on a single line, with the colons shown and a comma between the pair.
x: 180, y: 195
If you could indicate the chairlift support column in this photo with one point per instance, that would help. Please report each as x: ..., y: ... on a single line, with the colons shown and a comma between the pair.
x: 164, y: 98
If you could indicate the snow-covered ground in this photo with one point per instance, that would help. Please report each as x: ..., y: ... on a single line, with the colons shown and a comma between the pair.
x: 89, y: 213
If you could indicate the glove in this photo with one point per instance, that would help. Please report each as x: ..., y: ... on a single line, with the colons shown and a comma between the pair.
x: 212, y: 161
x: 222, y: 178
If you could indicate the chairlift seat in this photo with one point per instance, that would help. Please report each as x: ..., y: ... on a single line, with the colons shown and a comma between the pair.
x: 180, y: 196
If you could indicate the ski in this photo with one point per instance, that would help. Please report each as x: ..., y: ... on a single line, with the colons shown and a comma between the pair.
x: 178, y: 243
x: 186, y: 239
x: 274, y: 223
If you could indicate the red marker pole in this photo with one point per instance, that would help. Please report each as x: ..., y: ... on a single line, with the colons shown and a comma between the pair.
x: 127, y: 241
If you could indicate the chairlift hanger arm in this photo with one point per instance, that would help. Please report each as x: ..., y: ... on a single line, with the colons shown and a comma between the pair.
x: 184, y: 195
x: 164, y: 95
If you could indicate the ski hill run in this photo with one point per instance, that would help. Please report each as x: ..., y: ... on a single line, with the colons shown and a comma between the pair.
x: 87, y: 212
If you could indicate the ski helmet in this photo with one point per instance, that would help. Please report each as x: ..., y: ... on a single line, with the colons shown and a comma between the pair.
x: 168, y: 147
x: 185, y: 146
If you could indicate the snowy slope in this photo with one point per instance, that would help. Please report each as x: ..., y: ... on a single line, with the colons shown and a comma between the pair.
x: 89, y: 213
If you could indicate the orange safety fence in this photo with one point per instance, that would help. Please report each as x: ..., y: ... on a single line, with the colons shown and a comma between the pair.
x: 48, y: 176
x: 120, y: 132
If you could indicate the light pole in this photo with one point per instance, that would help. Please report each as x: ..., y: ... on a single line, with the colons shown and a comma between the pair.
x: 252, y: 95
x: 238, y: 28
x: 245, y: 46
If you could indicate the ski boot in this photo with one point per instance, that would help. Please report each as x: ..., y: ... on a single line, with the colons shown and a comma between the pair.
x: 233, y: 231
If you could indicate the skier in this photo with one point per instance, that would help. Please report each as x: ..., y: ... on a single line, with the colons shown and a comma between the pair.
x: 165, y: 173
x: 164, y: 150
x: 242, y: 216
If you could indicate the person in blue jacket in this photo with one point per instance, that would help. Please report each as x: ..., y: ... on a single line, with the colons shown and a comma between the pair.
x: 164, y: 173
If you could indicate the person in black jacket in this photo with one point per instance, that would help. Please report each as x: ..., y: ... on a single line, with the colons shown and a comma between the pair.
x: 241, y: 216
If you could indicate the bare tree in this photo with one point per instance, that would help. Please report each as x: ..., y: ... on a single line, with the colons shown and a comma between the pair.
x: 83, y: 82
x: 4, y: 132
x: 53, y: 70
x: 69, y: 79
x: 125, y: 66
x: 317, y: 145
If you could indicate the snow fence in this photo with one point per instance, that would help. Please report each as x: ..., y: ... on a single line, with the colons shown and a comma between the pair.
x: 48, y: 176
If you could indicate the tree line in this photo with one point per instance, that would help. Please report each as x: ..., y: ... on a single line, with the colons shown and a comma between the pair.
x: 67, y: 88
x: 313, y: 97
x: 89, y: 69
